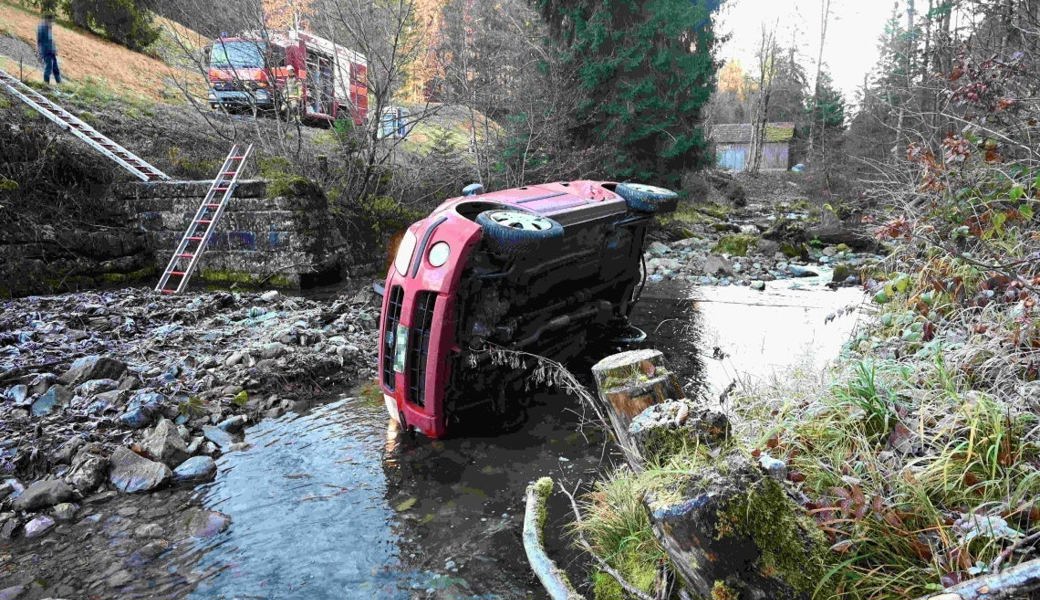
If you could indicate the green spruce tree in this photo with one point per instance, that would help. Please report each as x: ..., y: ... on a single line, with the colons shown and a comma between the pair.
x: 645, y: 68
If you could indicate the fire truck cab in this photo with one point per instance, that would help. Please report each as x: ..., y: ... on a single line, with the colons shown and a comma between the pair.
x: 249, y: 72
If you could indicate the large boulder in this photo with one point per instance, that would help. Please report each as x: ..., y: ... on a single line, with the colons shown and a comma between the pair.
x: 43, y: 494
x: 93, y: 367
x: 132, y: 473
x: 165, y: 445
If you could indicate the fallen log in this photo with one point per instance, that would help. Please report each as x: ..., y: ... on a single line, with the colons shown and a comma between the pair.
x: 552, y: 577
x: 629, y: 383
x: 1021, y: 581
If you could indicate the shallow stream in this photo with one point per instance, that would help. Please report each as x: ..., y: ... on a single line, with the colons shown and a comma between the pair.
x: 335, y: 503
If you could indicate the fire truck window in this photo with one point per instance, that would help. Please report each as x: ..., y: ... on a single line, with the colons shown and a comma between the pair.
x: 237, y: 55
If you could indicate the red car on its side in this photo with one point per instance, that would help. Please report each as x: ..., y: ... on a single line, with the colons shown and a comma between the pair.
x: 538, y: 268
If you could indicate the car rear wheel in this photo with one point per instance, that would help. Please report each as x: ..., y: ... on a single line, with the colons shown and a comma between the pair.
x: 512, y: 232
x: 647, y: 198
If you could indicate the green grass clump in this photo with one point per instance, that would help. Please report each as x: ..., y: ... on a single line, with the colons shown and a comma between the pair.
x: 617, y: 526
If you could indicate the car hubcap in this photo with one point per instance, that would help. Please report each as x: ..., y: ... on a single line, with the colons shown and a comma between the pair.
x: 521, y: 220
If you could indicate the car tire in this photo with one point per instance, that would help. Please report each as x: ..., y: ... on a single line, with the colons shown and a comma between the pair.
x: 647, y: 198
x: 513, y: 232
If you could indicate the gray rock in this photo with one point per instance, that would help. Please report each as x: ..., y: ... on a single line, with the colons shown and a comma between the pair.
x: 234, y: 424
x: 96, y: 386
x: 120, y: 578
x: 235, y: 358
x: 195, y: 470
x: 800, y: 271
x: 57, y: 395
x: 43, y: 494
x: 132, y: 473
x: 775, y: 468
x: 9, y: 527
x: 141, y: 409
x: 12, y: 593
x: 273, y: 350
x: 165, y: 445
x: 218, y: 436
x: 715, y: 265
x: 269, y: 296
x: 66, y: 511
x: 8, y: 487
x: 658, y: 249
x: 88, y: 471
x: 38, y: 526
x: 149, y: 531
x: 758, y: 285
x: 63, y: 455
x: 17, y: 394
x: 93, y: 367
x: 149, y: 552
x: 207, y: 523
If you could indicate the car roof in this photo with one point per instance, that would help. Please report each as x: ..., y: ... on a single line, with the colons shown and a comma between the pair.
x: 552, y: 198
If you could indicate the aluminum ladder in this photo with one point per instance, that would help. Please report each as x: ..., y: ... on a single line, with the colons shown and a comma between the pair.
x: 186, y: 258
x: 137, y: 166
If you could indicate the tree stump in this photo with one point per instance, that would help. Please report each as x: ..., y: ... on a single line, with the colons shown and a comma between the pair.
x: 664, y: 430
x: 733, y: 532
x: 629, y: 383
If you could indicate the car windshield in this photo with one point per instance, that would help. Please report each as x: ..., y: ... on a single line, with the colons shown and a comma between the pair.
x: 240, y: 55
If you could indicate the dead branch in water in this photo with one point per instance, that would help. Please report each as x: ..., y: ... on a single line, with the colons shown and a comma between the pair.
x: 553, y: 579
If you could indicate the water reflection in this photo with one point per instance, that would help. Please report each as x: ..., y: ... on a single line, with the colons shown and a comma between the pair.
x: 308, y: 508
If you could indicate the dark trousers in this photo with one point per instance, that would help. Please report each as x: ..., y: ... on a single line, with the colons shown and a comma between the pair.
x: 50, y: 65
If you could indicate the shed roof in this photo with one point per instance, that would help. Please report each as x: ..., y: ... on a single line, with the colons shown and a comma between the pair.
x: 740, y: 133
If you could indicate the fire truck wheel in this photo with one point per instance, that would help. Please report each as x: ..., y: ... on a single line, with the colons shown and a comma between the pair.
x: 647, y: 198
x: 513, y: 232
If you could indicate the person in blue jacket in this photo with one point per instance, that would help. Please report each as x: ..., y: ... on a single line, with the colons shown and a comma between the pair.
x: 48, y: 51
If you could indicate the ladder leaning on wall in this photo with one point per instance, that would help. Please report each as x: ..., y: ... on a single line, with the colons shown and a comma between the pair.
x: 137, y: 166
x: 193, y: 243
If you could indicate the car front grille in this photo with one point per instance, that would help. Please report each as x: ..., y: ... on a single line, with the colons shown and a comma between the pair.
x: 419, y: 347
x: 393, y: 317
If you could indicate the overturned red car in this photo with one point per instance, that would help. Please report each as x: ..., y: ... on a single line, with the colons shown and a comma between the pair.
x: 541, y: 268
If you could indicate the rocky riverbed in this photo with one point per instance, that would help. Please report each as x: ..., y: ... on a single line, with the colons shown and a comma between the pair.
x: 119, y: 393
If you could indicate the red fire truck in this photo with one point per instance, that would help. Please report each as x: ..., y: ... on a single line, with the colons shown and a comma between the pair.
x: 249, y: 71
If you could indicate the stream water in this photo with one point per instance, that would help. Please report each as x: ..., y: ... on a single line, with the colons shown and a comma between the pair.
x: 335, y: 504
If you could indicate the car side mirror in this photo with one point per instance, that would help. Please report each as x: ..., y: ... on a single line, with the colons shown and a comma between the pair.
x: 473, y: 189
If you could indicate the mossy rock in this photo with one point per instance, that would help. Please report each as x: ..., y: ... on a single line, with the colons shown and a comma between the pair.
x: 794, y: 250
x: 736, y: 245
x: 842, y: 271
x: 727, y: 521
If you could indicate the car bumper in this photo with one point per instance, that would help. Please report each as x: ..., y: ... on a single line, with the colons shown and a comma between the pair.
x: 258, y: 98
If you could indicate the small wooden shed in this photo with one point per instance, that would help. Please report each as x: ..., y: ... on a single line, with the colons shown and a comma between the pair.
x: 733, y: 146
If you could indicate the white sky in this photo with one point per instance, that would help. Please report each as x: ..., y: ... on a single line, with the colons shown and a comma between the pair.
x: 852, y: 35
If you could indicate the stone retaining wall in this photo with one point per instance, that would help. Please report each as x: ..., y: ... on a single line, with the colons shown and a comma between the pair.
x: 275, y: 242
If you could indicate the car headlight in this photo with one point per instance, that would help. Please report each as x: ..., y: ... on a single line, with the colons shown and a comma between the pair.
x: 404, y: 253
x: 439, y: 254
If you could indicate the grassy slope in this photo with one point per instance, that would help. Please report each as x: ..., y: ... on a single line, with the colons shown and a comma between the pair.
x: 85, y: 57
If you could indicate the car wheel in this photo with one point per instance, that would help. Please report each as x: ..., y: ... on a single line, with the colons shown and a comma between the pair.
x: 647, y: 198
x: 512, y: 232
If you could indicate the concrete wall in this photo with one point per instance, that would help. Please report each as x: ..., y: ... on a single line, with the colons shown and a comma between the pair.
x: 274, y: 242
